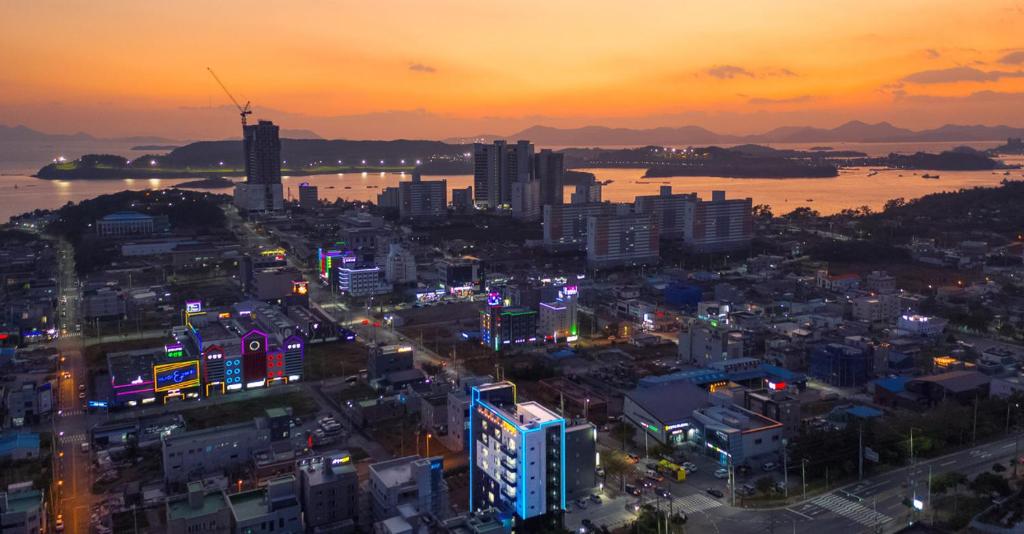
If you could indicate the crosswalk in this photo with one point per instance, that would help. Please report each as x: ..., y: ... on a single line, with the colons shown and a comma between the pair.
x: 851, y: 509
x: 692, y: 504
x: 74, y: 438
x: 69, y: 413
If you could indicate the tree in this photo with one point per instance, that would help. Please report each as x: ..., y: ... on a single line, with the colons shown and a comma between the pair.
x: 616, y: 465
x: 986, y: 483
x: 762, y: 211
x: 623, y: 432
x: 948, y: 481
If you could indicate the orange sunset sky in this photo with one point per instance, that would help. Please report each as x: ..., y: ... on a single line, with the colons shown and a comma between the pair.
x: 433, y: 69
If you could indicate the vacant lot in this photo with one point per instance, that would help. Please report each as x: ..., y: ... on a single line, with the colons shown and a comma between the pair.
x: 327, y: 360
x: 246, y: 409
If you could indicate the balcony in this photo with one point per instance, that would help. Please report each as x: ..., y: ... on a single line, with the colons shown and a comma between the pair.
x: 509, y: 478
x: 511, y: 453
x: 509, y: 464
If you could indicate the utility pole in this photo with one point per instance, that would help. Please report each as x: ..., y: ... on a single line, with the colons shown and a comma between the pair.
x: 803, y: 476
x: 974, y: 437
x: 860, y: 453
x: 785, y: 469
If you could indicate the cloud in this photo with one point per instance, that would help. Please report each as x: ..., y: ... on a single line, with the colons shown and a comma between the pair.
x: 1013, y: 58
x: 977, y: 97
x: 728, y: 72
x: 757, y: 101
x: 959, y: 74
x: 420, y: 67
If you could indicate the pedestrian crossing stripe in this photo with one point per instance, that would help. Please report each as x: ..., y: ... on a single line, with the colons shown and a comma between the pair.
x: 74, y: 438
x: 692, y: 504
x: 69, y: 413
x: 851, y: 510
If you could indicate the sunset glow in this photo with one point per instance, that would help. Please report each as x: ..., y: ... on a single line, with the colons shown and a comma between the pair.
x: 464, y: 68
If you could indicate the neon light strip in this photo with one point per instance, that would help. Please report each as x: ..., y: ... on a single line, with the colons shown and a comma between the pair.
x: 133, y: 384
x: 134, y: 392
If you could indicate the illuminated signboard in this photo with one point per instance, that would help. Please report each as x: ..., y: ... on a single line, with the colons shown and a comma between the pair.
x: 273, y: 252
x: 300, y: 287
x: 193, y: 306
x: 569, y: 291
x: 494, y: 299
x: 174, y: 376
x: 174, y: 350
x: 776, y: 386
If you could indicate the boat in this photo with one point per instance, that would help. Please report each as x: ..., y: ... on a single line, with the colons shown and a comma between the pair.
x: 348, y: 187
x: 809, y: 200
x: 872, y: 173
x: 930, y: 176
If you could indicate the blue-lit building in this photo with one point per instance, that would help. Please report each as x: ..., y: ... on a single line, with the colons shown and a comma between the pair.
x: 516, y: 459
x: 841, y: 365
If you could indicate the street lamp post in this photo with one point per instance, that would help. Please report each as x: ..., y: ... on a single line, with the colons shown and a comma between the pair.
x: 428, y: 444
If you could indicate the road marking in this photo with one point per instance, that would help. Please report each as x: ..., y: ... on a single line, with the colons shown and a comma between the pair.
x: 692, y: 504
x: 1008, y: 445
x: 74, y: 438
x: 854, y: 511
x: 951, y: 462
x: 800, y: 514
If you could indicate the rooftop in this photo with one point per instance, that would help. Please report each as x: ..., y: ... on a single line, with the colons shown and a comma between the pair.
x: 397, y: 472
x: 179, y: 507
x: 670, y: 403
x: 248, y: 504
x: 23, y: 501
x: 11, y: 442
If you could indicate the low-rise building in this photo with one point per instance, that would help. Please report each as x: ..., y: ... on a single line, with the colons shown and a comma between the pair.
x: 272, y: 508
x: 329, y: 491
x: 198, y: 453
x: 200, y: 510
x: 21, y: 510
x: 411, y: 480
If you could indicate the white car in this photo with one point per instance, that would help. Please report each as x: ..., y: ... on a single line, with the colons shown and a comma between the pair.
x: 721, y: 473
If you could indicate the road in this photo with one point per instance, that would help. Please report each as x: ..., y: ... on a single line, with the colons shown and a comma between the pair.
x: 72, y: 472
x: 875, y: 504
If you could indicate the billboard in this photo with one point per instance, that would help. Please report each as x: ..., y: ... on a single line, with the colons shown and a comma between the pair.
x: 179, y: 375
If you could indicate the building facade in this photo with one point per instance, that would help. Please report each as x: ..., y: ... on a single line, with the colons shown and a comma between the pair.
x: 622, y: 240
x: 516, y: 457
x: 422, y: 200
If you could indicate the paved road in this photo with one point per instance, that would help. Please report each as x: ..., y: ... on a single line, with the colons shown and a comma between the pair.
x: 872, y: 505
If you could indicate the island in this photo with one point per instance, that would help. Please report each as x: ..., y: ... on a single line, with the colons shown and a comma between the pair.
x: 213, y: 182
x: 299, y: 157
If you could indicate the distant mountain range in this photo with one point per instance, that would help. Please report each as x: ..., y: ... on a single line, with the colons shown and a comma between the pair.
x: 24, y: 134
x: 591, y: 136
x: 851, y: 132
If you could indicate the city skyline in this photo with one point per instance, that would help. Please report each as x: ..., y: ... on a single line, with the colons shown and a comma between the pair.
x: 463, y: 69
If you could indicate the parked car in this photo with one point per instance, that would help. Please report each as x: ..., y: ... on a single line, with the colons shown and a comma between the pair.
x: 581, y: 504
x: 84, y: 447
x: 632, y: 490
x: 595, y: 498
x: 769, y: 466
x: 721, y: 473
x: 714, y: 493
x: 600, y: 472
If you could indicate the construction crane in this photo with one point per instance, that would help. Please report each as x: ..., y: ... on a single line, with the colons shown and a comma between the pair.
x: 242, y: 110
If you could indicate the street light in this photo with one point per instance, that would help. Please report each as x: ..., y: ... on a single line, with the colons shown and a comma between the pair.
x: 428, y: 444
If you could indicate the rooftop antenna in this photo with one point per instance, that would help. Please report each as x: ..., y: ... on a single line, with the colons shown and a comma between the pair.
x: 242, y: 110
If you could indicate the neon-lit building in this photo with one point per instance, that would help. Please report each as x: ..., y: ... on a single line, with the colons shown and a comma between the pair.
x: 501, y: 326
x: 328, y: 260
x: 216, y: 352
x: 516, y: 458
x: 557, y: 319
